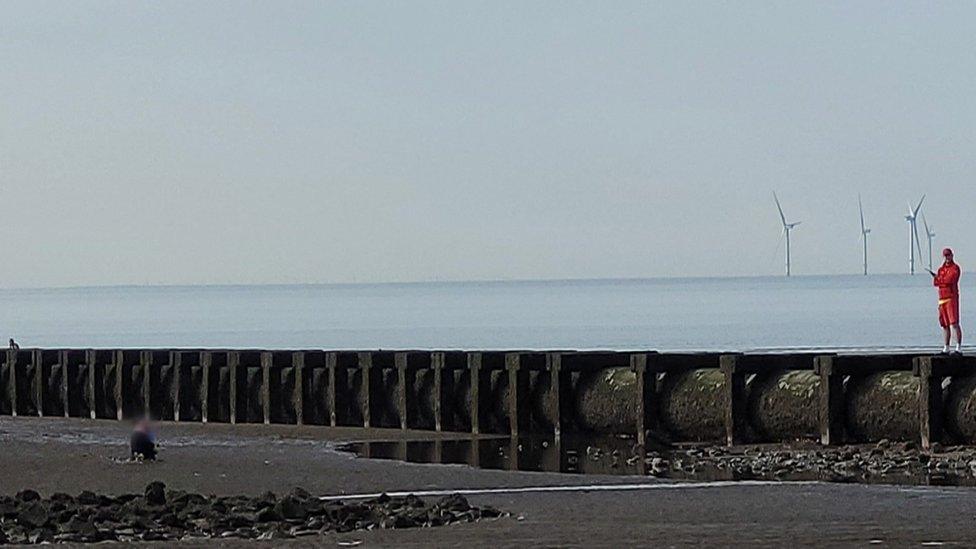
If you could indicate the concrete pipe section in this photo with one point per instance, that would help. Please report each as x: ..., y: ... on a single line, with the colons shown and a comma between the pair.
x: 783, y: 405
x: 883, y: 405
x: 692, y: 405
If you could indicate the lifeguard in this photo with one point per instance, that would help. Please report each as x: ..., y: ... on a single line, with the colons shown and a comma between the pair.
x: 947, y: 280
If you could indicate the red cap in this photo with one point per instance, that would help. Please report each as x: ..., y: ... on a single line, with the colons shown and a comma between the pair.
x: 947, y: 252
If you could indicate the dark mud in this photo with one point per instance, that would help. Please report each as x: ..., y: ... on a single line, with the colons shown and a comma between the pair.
x: 172, y: 515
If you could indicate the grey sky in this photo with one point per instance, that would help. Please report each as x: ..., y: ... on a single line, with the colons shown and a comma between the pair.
x: 212, y: 142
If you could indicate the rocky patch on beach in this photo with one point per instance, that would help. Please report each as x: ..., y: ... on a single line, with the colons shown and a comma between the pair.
x: 882, y: 462
x: 169, y: 515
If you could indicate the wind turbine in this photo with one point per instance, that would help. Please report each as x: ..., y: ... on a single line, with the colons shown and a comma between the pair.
x: 929, y: 235
x: 787, y: 227
x: 864, y: 234
x: 912, y: 219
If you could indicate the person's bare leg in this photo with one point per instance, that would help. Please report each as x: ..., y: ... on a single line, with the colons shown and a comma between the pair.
x: 958, y: 336
x: 946, y: 338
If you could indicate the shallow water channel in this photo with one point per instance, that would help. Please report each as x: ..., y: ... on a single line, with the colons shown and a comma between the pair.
x: 893, y: 464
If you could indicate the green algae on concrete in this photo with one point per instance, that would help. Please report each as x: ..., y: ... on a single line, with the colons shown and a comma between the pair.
x: 693, y: 404
x: 883, y: 406
x: 784, y: 405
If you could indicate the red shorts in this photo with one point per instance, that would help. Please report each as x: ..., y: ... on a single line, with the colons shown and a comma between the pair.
x: 948, y: 312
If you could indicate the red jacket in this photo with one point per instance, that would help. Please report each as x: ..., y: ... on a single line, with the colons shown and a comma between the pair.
x: 947, y: 280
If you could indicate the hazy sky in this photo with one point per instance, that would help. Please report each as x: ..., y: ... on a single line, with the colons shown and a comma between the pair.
x: 239, y: 142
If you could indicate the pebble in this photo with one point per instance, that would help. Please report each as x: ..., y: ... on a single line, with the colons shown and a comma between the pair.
x: 885, y: 461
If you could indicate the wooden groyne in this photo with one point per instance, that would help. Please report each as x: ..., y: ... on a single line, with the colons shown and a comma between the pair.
x: 678, y: 397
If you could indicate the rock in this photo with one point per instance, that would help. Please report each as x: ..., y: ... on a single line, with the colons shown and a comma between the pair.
x: 275, y: 533
x: 32, y: 515
x: 290, y: 508
x: 27, y: 495
x: 240, y: 520
x: 136, y: 508
x: 61, y: 497
x: 156, y: 493
x: 454, y: 502
x: 267, y: 497
x: 80, y: 526
x: 40, y: 535
x: 177, y: 515
x: 8, y: 508
x: 268, y: 514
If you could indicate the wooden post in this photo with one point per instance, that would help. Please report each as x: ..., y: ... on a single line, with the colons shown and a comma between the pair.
x: 930, y: 405
x: 119, y: 384
x: 513, y: 365
x: 146, y: 360
x: 831, y: 404
x: 735, y: 401
x: 176, y: 367
x: 206, y: 363
x: 646, y: 383
x: 552, y: 457
x: 331, y: 361
x: 65, y: 393
x: 437, y: 365
x: 91, y: 358
x: 12, y: 380
x: 297, y: 400
x: 437, y: 453
x: 474, y: 367
x: 554, y: 365
x: 233, y: 365
x: 474, y: 453
x: 365, y: 366
x: 400, y: 361
x: 39, y: 381
x: 266, y: 361
x: 513, y: 453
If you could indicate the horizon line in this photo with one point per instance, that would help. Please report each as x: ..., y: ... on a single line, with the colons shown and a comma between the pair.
x: 434, y: 281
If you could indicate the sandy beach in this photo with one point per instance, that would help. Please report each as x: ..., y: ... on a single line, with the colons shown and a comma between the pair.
x: 49, y: 455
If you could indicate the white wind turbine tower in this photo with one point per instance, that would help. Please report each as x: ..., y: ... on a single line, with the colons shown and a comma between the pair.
x: 864, y: 234
x: 787, y: 227
x: 913, y: 244
x: 929, y: 235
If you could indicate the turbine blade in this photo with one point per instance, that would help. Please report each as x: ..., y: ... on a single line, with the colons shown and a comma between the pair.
x: 919, y: 207
x: 926, y: 225
x: 918, y: 245
x: 860, y: 208
x: 780, y: 208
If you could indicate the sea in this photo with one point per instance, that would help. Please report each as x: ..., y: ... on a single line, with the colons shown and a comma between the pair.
x: 855, y: 313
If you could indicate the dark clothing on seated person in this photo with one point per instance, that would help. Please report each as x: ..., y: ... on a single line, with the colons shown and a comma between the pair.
x: 142, y: 443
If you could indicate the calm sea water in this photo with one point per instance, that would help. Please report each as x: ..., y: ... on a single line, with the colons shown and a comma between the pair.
x: 886, y: 311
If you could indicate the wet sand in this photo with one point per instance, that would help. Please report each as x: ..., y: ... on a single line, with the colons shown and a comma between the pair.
x: 50, y: 454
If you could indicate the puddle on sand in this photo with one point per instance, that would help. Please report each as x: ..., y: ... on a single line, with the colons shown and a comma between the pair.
x: 619, y: 456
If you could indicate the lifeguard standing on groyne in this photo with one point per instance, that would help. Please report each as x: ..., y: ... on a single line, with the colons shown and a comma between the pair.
x: 947, y: 280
